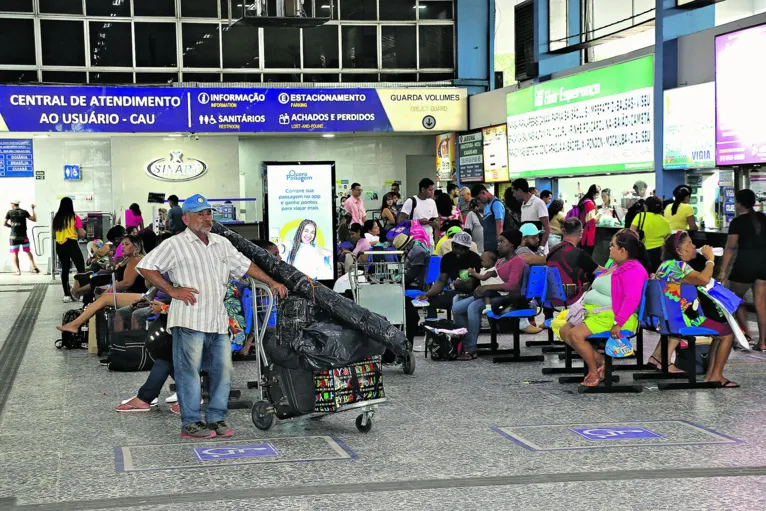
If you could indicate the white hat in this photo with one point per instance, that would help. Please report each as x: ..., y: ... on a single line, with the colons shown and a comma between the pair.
x: 16, y: 202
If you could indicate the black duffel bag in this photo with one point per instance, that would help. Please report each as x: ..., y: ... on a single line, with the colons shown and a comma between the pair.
x: 440, y: 345
x: 128, y: 352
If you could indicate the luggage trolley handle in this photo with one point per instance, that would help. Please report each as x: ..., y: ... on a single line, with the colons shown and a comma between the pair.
x: 261, y: 292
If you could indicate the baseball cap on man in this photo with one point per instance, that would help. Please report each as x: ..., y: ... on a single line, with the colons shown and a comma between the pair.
x: 463, y: 239
x: 195, y: 204
x: 15, y: 202
x: 529, y: 230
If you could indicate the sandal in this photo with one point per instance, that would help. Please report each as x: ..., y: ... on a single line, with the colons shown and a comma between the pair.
x: 129, y: 408
x: 592, y: 382
x: 468, y: 355
x: 728, y: 384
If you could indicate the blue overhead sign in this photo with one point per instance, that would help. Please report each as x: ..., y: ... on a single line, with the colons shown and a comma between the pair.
x: 231, y: 110
x: 16, y: 159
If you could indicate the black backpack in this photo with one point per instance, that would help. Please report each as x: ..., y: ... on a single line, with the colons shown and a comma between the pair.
x: 635, y: 209
x: 511, y: 220
x: 69, y: 340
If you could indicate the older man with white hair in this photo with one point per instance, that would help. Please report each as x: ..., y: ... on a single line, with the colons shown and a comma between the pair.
x: 200, y: 263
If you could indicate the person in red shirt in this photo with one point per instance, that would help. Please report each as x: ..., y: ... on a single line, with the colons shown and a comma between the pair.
x: 467, y: 311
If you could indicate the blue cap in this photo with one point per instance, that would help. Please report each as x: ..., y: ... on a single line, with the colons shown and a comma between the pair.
x: 529, y: 230
x: 195, y: 204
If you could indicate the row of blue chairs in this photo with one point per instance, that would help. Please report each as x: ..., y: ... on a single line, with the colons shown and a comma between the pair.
x: 543, y: 287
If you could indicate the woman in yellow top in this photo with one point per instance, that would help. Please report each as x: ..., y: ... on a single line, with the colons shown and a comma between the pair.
x: 680, y: 214
x: 655, y: 228
x: 67, y: 228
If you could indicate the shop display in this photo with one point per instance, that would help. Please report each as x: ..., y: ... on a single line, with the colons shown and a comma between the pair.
x: 445, y: 157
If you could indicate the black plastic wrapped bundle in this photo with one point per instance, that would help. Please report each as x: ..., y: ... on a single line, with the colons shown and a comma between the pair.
x: 336, y: 306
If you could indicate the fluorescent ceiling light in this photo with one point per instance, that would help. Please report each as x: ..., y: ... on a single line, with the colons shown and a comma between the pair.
x: 329, y: 135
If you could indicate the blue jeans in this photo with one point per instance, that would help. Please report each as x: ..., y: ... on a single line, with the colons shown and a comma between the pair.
x: 188, y: 347
x: 466, y: 313
x: 150, y: 390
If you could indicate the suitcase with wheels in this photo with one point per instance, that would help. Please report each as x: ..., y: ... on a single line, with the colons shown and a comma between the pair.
x: 290, y: 387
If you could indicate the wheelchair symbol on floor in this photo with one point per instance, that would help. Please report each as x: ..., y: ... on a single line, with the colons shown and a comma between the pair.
x: 615, y: 433
x: 229, y: 452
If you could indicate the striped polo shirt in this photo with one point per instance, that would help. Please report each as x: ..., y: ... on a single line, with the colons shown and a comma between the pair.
x: 207, y: 268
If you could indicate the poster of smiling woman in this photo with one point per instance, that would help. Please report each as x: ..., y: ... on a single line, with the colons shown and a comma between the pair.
x: 301, y: 216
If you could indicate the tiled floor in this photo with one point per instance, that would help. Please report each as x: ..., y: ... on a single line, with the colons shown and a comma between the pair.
x: 433, y: 445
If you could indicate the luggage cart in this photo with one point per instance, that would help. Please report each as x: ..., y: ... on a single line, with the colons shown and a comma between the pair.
x: 379, y: 287
x: 263, y: 412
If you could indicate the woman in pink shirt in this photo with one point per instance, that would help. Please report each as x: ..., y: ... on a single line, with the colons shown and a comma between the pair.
x: 612, y: 302
x: 133, y: 218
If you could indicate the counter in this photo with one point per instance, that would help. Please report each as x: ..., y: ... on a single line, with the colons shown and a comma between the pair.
x: 249, y: 231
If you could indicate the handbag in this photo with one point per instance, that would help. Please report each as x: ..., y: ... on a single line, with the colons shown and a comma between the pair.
x: 725, y: 297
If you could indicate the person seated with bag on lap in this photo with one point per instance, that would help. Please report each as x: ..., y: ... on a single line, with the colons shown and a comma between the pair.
x: 610, y: 305
x: 467, y: 310
x: 678, y: 251
x: 453, y: 269
x: 129, y: 287
x: 488, y: 277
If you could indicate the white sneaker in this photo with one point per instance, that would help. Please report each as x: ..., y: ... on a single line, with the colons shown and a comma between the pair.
x: 172, y: 399
x: 68, y: 299
x: 487, y: 310
x: 153, y: 403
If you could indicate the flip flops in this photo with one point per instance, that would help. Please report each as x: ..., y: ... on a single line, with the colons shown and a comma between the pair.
x: 128, y: 408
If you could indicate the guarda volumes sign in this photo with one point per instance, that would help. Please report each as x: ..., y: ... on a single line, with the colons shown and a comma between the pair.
x: 176, y: 167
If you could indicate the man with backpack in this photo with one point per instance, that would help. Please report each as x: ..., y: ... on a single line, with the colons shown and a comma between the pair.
x: 422, y: 207
x: 495, y: 215
x: 575, y: 265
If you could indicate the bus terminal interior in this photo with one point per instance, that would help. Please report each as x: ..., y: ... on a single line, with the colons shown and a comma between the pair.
x: 207, y: 138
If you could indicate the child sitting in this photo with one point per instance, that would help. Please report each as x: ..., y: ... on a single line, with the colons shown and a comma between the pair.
x: 488, y: 277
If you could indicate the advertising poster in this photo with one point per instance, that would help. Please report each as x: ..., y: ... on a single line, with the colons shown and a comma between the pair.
x: 445, y: 156
x: 495, y: 143
x: 234, y: 110
x: 689, y: 127
x: 592, y: 122
x: 739, y: 78
x: 470, y: 158
x: 301, y: 216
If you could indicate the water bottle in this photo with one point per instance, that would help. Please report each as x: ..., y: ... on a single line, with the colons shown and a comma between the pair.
x: 717, y: 251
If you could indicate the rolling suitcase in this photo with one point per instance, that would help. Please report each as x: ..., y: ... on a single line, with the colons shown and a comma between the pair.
x: 105, y: 324
x: 291, y: 389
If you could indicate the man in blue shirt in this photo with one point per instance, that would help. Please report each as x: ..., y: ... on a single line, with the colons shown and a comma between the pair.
x: 494, y: 215
x: 175, y: 214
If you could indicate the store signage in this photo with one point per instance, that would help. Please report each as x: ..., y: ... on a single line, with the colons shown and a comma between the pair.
x: 470, y: 158
x: 169, y: 109
x: 176, y: 167
x: 301, y: 219
x: 445, y: 156
x: 16, y: 158
x: 495, y: 142
x: 739, y: 136
x: 689, y: 132
x: 592, y: 122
